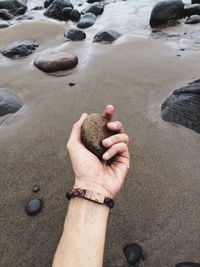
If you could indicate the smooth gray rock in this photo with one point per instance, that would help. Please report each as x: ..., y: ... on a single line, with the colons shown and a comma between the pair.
x: 183, y: 106
x: 133, y: 253
x: 106, y: 36
x: 4, y: 24
x: 33, y: 206
x: 6, y: 14
x: 96, y: 9
x: 56, y: 62
x: 56, y: 7
x: 86, y: 21
x: 188, y: 264
x: 166, y: 10
x: 27, y: 17
x: 12, y: 5
x: 192, y: 10
x: 20, y: 49
x: 9, y: 102
x: 75, y: 34
x: 193, y: 19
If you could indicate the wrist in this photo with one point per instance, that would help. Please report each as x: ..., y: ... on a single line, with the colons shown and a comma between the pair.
x: 93, y: 187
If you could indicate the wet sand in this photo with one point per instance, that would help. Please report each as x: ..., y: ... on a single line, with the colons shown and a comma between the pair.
x: 159, y: 204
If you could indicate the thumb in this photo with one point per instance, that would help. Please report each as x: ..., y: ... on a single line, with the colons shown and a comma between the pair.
x: 75, y: 136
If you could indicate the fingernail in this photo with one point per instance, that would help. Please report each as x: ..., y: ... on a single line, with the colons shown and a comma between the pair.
x: 106, y: 155
x: 107, y: 142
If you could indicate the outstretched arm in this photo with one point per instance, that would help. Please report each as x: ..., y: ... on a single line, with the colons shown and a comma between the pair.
x: 83, y: 238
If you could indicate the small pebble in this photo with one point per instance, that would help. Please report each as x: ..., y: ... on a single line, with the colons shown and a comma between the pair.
x: 178, y: 55
x: 35, y: 188
x: 33, y: 206
x: 133, y: 253
x: 182, y: 49
x: 72, y: 84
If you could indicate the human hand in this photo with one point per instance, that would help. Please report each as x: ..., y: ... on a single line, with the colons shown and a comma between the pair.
x: 102, y: 176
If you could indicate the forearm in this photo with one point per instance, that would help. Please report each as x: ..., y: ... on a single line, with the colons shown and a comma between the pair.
x: 83, y: 238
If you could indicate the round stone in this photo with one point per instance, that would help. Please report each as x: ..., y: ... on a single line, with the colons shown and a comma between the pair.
x: 4, y: 24
x: 75, y: 34
x: 75, y: 15
x: 56, y: 62
x: 94, y: 130
x: 33, y: 206
x: 133, y: 253
x: 35, y: 188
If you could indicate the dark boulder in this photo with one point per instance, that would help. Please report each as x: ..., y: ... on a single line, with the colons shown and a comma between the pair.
x: 193, y: 19
x: 9, y: 102
x: 106, y: 36
x: 37, y: 8
x: 133, y: 253
x: 188, y: 264
x: 65, y: 14
x: 56, y: 7
x: 6, y: 14
x: 183, y: 106
x: 75, y: 35
x: 20, y: 49
x: 192, y: 10
x: 21, y: 11
x: 56, y: 62
x: 166, y: 10
x: 96, y: 9
x: 12, y: 5
x: 86, y: 21
x: 75, y: 15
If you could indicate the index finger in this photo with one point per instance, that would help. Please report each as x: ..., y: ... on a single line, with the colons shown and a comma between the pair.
x: 109, y: 112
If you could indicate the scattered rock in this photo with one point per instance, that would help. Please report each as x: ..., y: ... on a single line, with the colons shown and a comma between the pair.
x: 133, y: 253
x: 20, y: 49
x: 96, y: 9
x: 9, y: 102
x: 72, y: 84
x: 4, y: 24
x: 65, y: 14
x: 193, y: 19
x: 86, y: 21
x: 6, y: 14
x: 94, y: 130
x: 166, y: 10
x: 33, y: 206
x: 12, y: 5
x: 188, y: 264
x: 192, y: 10
x: 183, y: 106
x: 56, y: 62
x: 75, y: 15
x: 106, y: 36
x: 35, y: 188
x: 75, y: 34
x: 20, y: 11
x: 56, y: 7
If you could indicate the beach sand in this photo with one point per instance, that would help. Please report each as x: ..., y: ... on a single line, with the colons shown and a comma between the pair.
x: 159, y: 204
